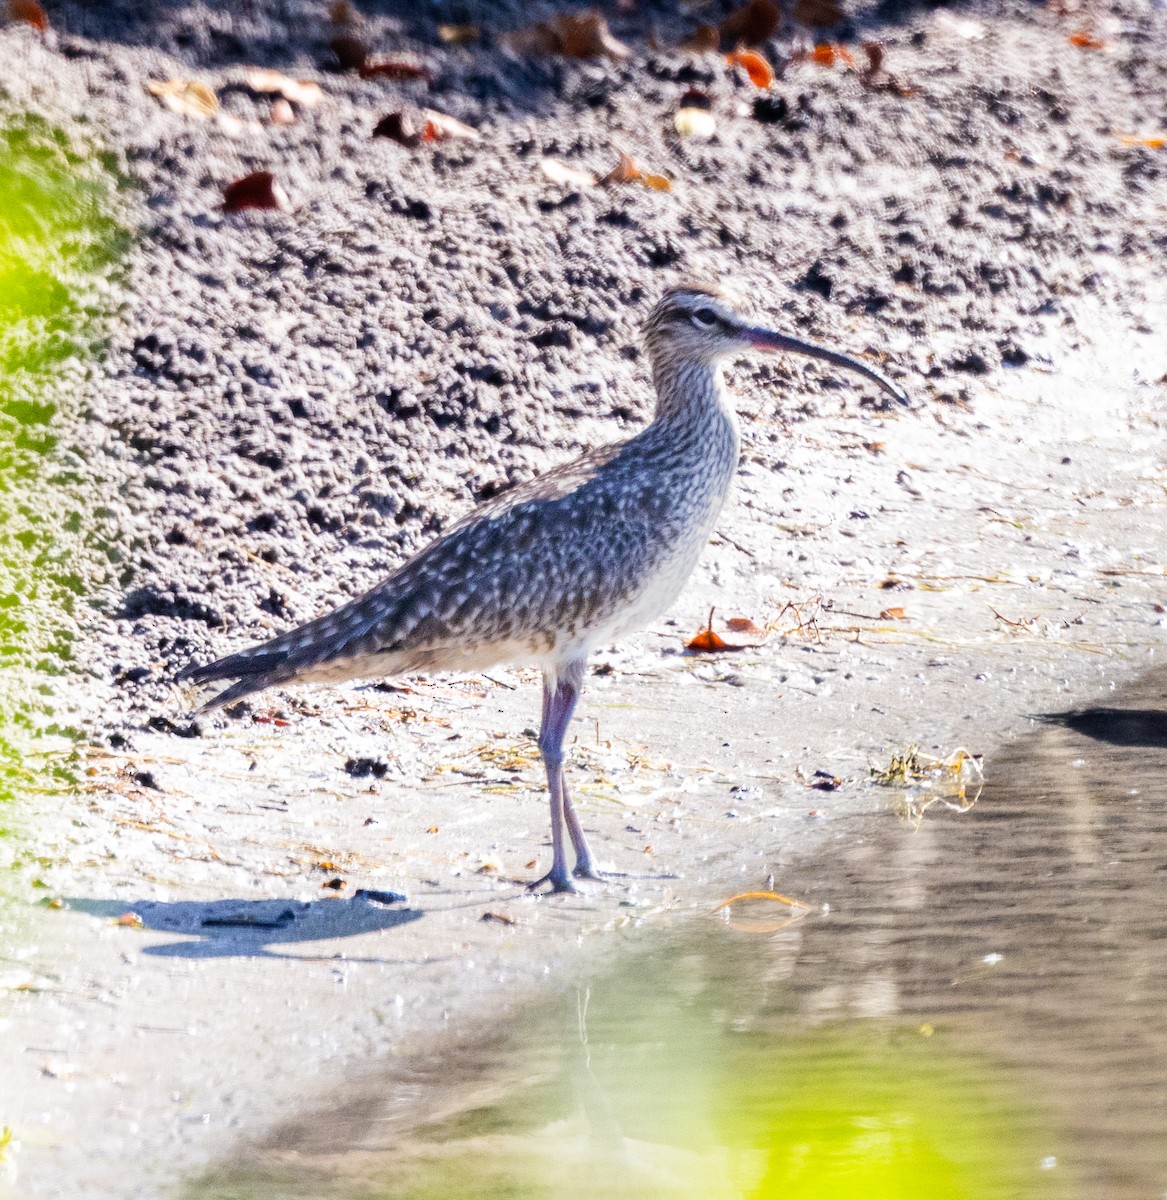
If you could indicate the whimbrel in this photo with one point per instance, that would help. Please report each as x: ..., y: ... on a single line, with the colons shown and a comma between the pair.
x: 551, y: 569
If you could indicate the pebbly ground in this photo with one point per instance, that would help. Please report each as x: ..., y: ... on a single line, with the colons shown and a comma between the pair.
x: 292, y: 401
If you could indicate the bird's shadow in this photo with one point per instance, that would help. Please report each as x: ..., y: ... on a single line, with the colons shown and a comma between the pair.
x: 248, y: 928
x: 1118, y: 726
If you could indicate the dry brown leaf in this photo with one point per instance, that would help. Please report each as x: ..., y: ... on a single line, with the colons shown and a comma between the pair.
x: 751, y: 24
x: 459, y: 35
x: 399, y: 128
x: 826, y: 54
x: 395, y: 69
x: 705, y: 39
x: 299, y: 91
x: 745, y: 635
x: 695, y: 123
x: 185, y: 96
x: 743, y: 625
x: 626, y: 171
x: 439, y: 127
x: 1085, y: 40
x: 342, y: 12
x: 30, y: 12
x: 432, y: 829
x: 560, y: 172
x: 893, y: 614
x: 576, y: 35
x: 260, y: 189
x: 760, y: 72
x: 818, y: 14
x: 351, y: 53
x: 875, y: 447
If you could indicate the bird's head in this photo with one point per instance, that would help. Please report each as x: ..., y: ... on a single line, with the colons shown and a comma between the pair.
x: 702, y: 325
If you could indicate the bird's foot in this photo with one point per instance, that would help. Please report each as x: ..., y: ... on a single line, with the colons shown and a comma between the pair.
x: 558, y: 881
x: 588, y: 870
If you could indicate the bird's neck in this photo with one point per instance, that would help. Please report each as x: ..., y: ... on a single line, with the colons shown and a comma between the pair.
x: 689, y: 392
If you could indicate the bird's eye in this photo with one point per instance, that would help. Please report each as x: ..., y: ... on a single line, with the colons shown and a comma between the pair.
x: 703, y: 318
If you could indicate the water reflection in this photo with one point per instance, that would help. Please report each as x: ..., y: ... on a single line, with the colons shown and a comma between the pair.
x: 980, y: 1013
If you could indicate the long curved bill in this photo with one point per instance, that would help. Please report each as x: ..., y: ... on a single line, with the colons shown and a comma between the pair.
x: 768, y: 339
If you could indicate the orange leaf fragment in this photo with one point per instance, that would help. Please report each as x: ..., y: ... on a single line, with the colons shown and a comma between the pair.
x: 439, y: 127
x: 30, y: 12
x: 743, y: 625
x: 432, y: 829
x: 393, y: 68
x: 1153, y: 143
x: 1086, y: 41
x: 626, y: 171
x: 755, y: 66
x: 752, y: 24
x: 893, y: 614
x: 131, y: 920
x: 260, y: 189
x: 823, y: 54
x: 707, y: 642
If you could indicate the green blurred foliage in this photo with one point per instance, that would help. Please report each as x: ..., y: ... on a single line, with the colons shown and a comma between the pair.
x: 61, y: 246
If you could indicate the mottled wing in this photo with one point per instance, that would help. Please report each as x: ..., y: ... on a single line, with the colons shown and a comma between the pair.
x: 512, y: 571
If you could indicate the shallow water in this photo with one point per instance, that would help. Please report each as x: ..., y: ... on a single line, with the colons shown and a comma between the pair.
x: 979, y: 1012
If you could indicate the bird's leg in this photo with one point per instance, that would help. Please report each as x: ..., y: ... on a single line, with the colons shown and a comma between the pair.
x: 560, y: 693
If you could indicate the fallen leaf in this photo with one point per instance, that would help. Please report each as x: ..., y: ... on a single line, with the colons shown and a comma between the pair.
x: 752, y: 24
x: 257, y: 190
x: 626, y: 171
x: 351, y: 53
x: 706, y: 38
x: 586, y: 35
x: 130, y: 920
x: 393, y: 68
x: 439, y: 127
x: 432, y: 829
x: 576, y: 35
x: 819, y: 14
x: 459, y: 35
x: 490, y: 865
x: 281, y: 112
x: 826, y: 54
x: 893, y: 614
x: 342, y: 12
x: 706, y: 642
x: 30, y: 12
x: 875, y: 447
x: 185, y: 96
x: 560, y: 172
x: 1154, y: 143
x: 746, y: 635
x: 500, y: 918
x: 695, y: 123
x: 755, y: 66
x: 398, y: 127
x: 299, y: 91
x: 1086, y: 41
